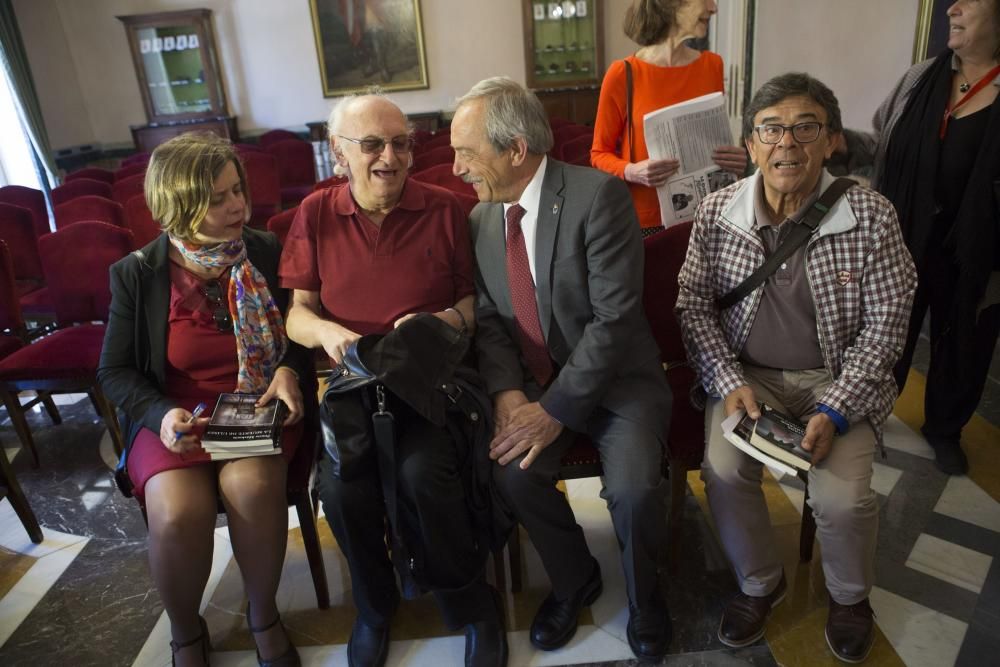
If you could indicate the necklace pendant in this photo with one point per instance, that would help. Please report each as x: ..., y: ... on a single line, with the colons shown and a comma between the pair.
x: 963, y: 87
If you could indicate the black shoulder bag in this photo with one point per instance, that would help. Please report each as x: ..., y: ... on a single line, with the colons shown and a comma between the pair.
x: 797, y: 236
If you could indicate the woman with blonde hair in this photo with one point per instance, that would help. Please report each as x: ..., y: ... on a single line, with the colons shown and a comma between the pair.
x: 195, y: 313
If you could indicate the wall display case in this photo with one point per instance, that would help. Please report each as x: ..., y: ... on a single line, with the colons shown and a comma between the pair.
x: 179, y: 75
x: 563, y: 43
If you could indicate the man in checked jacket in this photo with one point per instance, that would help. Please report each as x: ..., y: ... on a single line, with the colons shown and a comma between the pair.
x: 816, y: 341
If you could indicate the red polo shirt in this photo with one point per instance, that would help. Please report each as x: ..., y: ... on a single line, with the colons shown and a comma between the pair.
x: 419, y: 260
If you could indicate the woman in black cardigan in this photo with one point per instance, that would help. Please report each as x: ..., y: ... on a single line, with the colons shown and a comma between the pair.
x: 195, y: 313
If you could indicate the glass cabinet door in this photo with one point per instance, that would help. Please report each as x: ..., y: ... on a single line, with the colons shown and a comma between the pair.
x: 174, y: 56
x: 563, y: 43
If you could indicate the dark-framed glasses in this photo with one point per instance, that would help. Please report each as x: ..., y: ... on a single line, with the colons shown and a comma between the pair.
x: 804, y: 133
x: 375, y: 145
x: 220, y: 305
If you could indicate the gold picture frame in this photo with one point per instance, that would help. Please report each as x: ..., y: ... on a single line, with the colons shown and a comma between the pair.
x: 361, y: 43
x: 931, y: 37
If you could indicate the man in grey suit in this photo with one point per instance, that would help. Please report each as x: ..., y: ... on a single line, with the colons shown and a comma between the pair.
x: 564, y: 348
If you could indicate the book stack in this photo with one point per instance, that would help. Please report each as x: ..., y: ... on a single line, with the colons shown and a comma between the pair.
x: 774, y: 439
x: 239, y: 427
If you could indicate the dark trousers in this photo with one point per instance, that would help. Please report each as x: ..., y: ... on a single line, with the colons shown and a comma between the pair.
x: 430, y: 489
x: 961, y: 350
x: 634, y: 489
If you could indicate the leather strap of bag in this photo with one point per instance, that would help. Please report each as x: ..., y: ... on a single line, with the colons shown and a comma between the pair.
x: 628, y: 109
x: 798, y: 235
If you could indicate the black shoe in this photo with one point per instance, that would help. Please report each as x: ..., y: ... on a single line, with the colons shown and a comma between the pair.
x: 948, y: 453
x: 649, y: 632
x: 486, y: 644
x: 744, y: 617
x: 202, y: 638
x: 290, y: 658
x: 556, y: 620
x: 368, y: 646
x: 850, y: 631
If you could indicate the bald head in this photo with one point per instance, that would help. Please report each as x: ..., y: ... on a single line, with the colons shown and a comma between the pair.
x: 349, y: 109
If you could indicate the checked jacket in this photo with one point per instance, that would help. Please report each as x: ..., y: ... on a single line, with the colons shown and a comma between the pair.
x: 862, y: 281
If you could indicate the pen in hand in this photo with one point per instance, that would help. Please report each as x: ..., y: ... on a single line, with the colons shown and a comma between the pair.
x: 198, y: 409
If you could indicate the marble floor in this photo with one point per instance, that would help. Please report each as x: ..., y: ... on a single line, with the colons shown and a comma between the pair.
x: 84, y: 597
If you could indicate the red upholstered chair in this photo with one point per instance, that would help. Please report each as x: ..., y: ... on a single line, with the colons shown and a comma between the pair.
x: 136, y: 158
x: 128, y: 187
x: 433, y: 156
x: 564, y: 134
x: 275, y: 136
x: 265, y: 188
x: 440, y: 138
x: 329, y: 182
x: 242, y: 148
x: 89, y: 207
x: 139, y: 220
x: 128, y: 170
x: 79, y: 188
x: 440, y: 174
x: 76, y: 262
x: 420, y: 138
x: 577, y: 150
x: 296, y: 169
x: 95, y: 173
x: 31, y: 199
x: 10, y: 343
x: 17, y: 228
x: 280, y: 224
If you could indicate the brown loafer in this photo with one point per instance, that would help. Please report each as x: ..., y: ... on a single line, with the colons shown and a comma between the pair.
x: 850, y: 630
x: 744, y: 617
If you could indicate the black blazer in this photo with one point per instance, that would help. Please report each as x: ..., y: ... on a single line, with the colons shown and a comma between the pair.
x: 133, y: 361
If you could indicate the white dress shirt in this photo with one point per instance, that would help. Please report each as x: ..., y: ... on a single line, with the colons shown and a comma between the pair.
x: 530, y: 201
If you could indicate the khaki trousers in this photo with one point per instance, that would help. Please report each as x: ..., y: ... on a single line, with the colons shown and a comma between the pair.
x: 840, y: 493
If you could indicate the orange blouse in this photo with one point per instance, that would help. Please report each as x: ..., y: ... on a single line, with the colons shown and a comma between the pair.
x: 653, y: 87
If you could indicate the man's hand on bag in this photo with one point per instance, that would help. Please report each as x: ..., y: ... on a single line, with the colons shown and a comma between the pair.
x: 504, y: 403
x: 336, y: 339
x: 528, y: 430
x: 818, y: 439
x: 742, y: 398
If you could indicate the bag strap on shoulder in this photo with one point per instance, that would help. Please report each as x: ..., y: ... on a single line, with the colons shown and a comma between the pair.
x: 798, y: 235
x: 628, y: 109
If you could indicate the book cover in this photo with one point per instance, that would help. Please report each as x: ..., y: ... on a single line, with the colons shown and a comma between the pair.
x: 239, y: 428
x: 777, y: 435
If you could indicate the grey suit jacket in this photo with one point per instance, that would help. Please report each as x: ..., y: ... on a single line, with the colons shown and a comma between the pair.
x: 589, y: 268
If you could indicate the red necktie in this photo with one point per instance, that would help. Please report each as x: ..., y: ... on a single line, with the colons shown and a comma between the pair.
x: 522, y: 295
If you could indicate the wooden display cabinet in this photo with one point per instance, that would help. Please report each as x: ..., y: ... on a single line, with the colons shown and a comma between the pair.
x: 179, y: 76
x: 564, y: 56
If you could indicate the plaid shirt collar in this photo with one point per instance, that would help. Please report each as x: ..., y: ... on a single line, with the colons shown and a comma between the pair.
x: 740, y: 212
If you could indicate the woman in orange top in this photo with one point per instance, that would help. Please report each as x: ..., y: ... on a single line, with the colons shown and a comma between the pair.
x: 664, y: 71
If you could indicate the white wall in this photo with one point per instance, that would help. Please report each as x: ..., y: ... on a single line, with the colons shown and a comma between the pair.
x: 89, y: 93
x: 859, y: 48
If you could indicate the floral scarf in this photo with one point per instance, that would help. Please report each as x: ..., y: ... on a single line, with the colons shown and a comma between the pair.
x: 261, y: 341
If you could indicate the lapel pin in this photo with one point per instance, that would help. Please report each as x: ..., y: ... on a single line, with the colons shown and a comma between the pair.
x: 555, y: 209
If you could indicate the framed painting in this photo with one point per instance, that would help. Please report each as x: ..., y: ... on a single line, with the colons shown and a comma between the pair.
x: 932, y: 29
x: 362, y: 43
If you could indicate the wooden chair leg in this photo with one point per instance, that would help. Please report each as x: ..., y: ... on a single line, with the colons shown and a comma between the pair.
x: 514, y: 558
x: 16, y: 413
x: 807, y: 533
x: 678, y: 491
x: 8, y: 484
x: 51, y: 408
x: 310, y: 538
x: 107, y: 412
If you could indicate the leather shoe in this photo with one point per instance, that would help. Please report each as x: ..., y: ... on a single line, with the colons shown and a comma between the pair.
x: 744, y: 617
x: 368, y: 646
x: 556, y: 620
x: 948, y: 453
x: 485, y: 644
x: 850, y: 630
x: 649, y: 631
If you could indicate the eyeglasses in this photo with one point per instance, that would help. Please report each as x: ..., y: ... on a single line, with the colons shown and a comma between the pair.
x: 804, y: 133
x: 220, y: 305
x: 401, y: 145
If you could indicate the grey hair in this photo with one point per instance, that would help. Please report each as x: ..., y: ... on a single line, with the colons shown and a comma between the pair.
x: 788, y: 85
x: 512, y: 111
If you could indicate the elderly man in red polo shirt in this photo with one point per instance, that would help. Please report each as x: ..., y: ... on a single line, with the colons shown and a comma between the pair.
x: 362, y: 258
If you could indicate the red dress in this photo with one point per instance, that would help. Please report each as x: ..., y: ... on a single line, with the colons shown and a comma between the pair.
x: 201, y: 364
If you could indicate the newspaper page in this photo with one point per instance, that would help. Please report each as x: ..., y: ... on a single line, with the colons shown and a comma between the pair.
x: 688, y: 132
